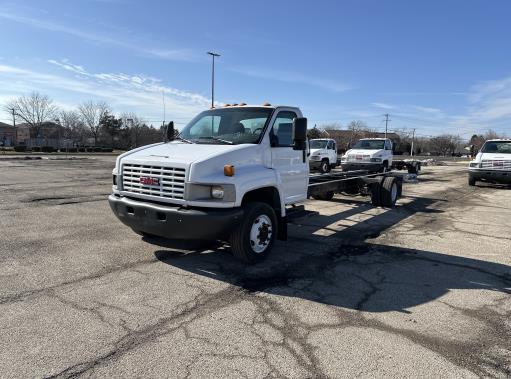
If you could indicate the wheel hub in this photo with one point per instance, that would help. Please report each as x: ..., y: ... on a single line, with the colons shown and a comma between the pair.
x: 261, y: 233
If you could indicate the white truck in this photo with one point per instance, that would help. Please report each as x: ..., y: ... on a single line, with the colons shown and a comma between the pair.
x: 372, y: 154
x: 492, y: 163
x: 233, y: 174
x: 323, y: 154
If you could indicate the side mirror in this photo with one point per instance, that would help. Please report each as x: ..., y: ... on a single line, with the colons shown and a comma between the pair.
x: 170, y: 131
x: 299, y: 133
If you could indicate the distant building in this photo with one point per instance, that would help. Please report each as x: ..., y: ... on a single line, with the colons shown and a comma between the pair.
x: 22, y: 134
x: 7, y: 134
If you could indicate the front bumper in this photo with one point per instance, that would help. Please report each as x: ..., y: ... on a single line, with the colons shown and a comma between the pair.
x: 175, y: 222
x: 493, y: 176
x: 369, y: 166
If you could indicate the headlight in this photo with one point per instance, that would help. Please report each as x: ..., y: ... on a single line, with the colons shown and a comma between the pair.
x: 114, y: 180
x: 217, y: 192
x: 375, y: 159
x: 474, y: 164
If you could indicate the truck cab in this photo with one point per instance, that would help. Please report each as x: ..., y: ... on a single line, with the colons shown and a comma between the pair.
x: 372, y: 154
x: 492, y: 163
x: 228, y: 175
x: 323, y: 154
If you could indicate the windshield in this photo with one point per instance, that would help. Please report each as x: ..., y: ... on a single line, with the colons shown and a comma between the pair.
x: 369, y: 144
x: 227, y: 126
x: 500, y: 147
x: 318, y: 144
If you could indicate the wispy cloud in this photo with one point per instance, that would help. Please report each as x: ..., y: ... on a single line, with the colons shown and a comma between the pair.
x: 383, y: 105
x: 125, y: 92
x: 429, y: 110
x: 489, y: 106
x: 291, y: 77
x: 139, y: 48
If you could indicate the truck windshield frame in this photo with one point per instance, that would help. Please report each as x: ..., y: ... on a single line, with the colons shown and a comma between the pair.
x: 497, y: 147
x: 230, y: 126
x: 318, y: 144
x: 365, y: 144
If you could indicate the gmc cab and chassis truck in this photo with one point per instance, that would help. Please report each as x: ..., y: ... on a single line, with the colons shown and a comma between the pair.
x: 233, y: 174
x: 376, y: 155
x: 323, y: 154
x: 492, y: 163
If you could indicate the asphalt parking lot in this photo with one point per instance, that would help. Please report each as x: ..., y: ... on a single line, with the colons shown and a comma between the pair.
x: 422, y: 290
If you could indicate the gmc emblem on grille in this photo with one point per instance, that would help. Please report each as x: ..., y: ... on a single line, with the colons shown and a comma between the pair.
x: 148, y: 181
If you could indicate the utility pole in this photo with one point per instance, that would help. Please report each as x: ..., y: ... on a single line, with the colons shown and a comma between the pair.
x: 386, y: 123
x: 213, y: 55
x: 413, y: 138
x: 13, y: 116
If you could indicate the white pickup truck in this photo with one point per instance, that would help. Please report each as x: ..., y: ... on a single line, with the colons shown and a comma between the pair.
x: 229, y: 176
x: 492, y: 163
x: 323, y: 154
x: 373, y: 154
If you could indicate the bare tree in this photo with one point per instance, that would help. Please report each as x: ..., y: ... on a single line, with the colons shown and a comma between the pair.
x: 358, y: 129
x: 72, y: 125
x: 135, y: 125
x: 91, y: 113
x: 445, y: 144
x: 34, y: 109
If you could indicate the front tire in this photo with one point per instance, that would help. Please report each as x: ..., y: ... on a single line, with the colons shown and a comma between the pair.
x: 253, y: 239
x: 471, y: 181
x: 324, y: 167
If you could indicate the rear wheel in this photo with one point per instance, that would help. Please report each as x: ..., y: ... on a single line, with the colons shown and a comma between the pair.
x: 376, y: 194
x: 324, y: 196
x: 389, y: 192
x: 253, y: 239
x: 324, y: 166
x: 471, y: 181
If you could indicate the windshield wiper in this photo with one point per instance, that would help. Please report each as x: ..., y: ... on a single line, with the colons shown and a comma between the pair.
x: 183, y: 139
x: 217, y: 139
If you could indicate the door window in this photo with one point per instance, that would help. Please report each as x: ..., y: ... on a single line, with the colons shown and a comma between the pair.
x: 281, y: 134
x: 388, y: 146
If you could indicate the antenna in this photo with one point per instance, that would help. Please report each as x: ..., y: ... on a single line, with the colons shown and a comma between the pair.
x: 163, y: 98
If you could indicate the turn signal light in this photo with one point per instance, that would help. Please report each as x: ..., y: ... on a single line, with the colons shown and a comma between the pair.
x: 229, y: 170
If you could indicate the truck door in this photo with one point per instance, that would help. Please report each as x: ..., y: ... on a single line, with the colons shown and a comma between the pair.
x: 332, y: 153
x: 388, y: 151
x: 288, y: 163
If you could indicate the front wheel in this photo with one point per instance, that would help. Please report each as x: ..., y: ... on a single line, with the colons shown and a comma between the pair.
x: 325, y: 166
x: 253, y: 239
x: 471, y: 181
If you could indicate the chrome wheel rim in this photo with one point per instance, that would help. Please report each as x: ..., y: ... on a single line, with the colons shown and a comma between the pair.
x: 261, y: 233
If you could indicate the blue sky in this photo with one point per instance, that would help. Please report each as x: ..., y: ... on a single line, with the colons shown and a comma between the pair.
x: 437, y: 66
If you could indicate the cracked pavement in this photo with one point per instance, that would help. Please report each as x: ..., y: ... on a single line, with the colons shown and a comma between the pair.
x: 420, y: 290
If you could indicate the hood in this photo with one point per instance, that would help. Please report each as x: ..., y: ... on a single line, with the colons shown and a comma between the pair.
x: 177, y: 152
x: 493, y: 156
x: 316, y: 150
x: 363, y: 151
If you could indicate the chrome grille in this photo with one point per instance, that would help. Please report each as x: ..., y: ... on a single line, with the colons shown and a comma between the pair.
x: 358, y: 157
x: 171, y: 180
x: 496, y: 164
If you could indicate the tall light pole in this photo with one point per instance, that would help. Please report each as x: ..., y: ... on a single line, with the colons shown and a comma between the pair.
x: 213, y: 55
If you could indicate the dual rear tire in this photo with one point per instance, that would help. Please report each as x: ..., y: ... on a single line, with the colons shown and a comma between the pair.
x: 386, y: 193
